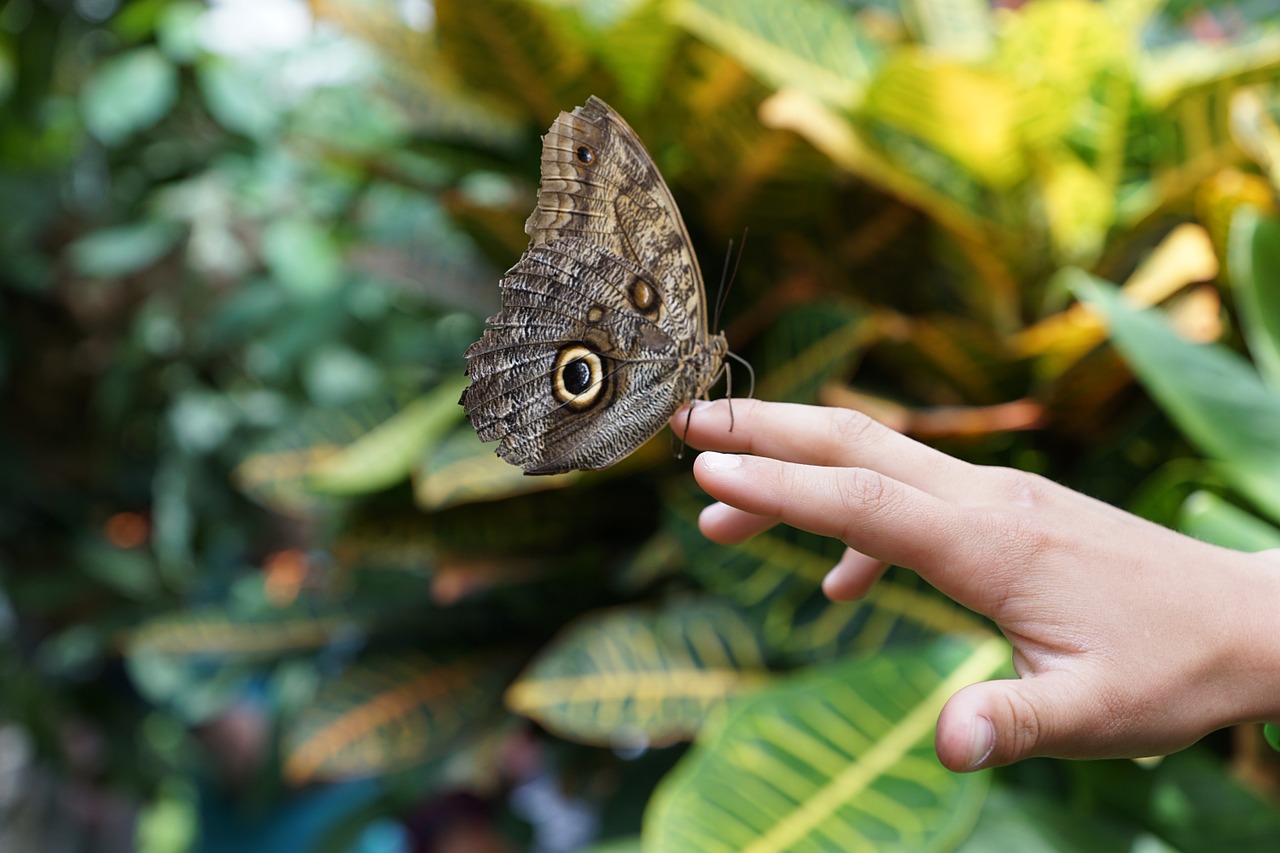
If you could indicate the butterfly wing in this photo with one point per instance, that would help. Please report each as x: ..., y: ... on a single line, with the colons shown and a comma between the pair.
x: 602, y: 333
x: 599, y: 183
x: 571, y: 375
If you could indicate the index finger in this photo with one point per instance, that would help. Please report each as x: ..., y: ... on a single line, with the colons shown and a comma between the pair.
x: 819, y: 435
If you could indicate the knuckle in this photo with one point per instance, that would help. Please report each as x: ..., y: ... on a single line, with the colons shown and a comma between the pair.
x: 1010, y: 549
x: 1027, y: 730
x: 1020, y: 488
x: 862, y: 489
x: 849, y: 427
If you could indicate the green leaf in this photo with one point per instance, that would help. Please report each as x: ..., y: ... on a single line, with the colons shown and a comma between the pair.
x: 776, y: 578
x: 1207, y: 516
x: 129, y: 92
x: 969, y: 114
x: 1190, y: 800
x: 839, y: 757
x: 810, y: 345
x: 170, y: 822
x: 462, y: 469
x: 513, y: 52
x: 617, y: 845
x: 215, y: 632
x: 336, y: 375
x: 386, y: 454
x: 634, y: 676
x: 129, y: 572
x: 1214, y: 396
x: 122, y: 250
x: 8, y: 72
x: 1016, y: 820
x: 237, y: 98
x: 278, y: 473
x: 390, y: 713
x: 194, y: 690
x: 638, y: 50
x: 1254, y: 256
x: 1189, y: 67
x: 303, y: 257
x: 962, y: 29
x: 809, y: 45
x: 178, y: 29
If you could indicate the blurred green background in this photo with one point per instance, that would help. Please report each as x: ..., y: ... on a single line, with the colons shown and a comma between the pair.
x: 261, y: 587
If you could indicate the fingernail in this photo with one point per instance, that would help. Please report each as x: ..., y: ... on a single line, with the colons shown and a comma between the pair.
x: 983, y: 741
x: 720, y: 461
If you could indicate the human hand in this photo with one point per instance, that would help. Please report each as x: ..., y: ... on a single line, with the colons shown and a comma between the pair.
x: 1129, y: 639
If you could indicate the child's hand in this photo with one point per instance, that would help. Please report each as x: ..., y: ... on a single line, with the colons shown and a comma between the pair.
x: 1129, y: 639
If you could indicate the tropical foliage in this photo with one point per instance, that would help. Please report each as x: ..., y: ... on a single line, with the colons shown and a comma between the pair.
x: 260, y: 576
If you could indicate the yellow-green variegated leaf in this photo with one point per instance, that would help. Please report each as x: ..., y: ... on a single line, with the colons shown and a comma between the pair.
x: 960, y: 29
x: 776, y: 577
x: 640, y: 677
x: 635, y: 40
x: 386, y: 454
x: 390, y: 713
x: 215, y: 632
x: 1192, y: 67
x: 838, y: 758
x: 462, y: 469
x: 519, y: 54
x: 277, y: 473
x: 1062, y: 55
x: 350, y: 450
x: 194, y: 663
x: 969, y: 114
x: 811, y: 45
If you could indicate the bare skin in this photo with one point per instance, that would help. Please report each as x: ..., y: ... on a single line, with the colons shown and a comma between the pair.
x: 1129, y: 639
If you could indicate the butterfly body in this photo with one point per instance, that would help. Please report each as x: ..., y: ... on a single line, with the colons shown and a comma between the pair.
x: 602, y: 333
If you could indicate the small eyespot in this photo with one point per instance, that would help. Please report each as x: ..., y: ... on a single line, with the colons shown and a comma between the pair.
x: 585, y: 154
x: 642, y: 296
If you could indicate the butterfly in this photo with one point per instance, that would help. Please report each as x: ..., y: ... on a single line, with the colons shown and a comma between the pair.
x: 602, y: 333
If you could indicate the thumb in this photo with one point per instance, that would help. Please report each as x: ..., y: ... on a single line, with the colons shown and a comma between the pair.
x: 999, y: 722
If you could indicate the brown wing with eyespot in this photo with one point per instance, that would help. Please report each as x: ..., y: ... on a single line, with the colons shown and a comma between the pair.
x: 599, y: 183
x: 602, y: 332
x: 576, y: 372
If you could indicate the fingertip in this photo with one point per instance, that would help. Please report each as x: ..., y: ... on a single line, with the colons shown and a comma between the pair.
x: 853, y: 577
x: 965, y: 737
x: 713, y: 518
x: 719, y: 462
x: 994, y: 723
x: 966, y: 745
x: 729, y: 525
x: 690, y: 412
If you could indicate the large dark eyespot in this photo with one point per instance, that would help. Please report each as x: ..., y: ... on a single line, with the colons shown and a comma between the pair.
x: 585, y: 154
x: 578, y: 379
x: 577, y: 376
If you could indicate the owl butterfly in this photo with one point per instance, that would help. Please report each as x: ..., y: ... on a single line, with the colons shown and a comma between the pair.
x: 602, y: 333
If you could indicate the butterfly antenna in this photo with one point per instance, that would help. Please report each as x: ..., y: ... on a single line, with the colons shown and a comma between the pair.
x: 751, y: 373
x: 727, y: 279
